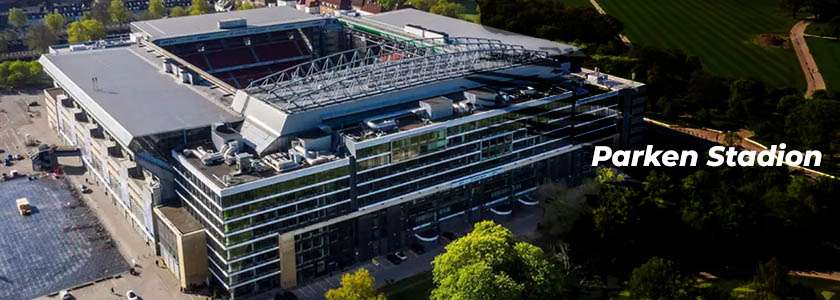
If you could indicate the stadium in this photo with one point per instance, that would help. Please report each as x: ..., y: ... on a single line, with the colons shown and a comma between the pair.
x: 266, y: 148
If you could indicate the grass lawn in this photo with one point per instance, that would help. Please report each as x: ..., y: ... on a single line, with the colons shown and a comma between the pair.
x: 721, y: 32
x: 417, y: 287
x: 827, y: 54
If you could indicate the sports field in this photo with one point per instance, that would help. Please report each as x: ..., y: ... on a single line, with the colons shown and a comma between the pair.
x: 827, y: 54
x: 721, y: 32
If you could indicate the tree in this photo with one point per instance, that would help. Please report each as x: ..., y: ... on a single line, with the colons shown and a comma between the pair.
x: 177, y: 11
x: 85, y: 30
x: 243, y: 5
x: 446, y: 8
x: 813, y: 125
x: 772, y: 277
x: 17, y: 17
x: 40, y: 38
x: 16, y: 74
x: 355, y: 286
x: 390, y: 4
x: 199, y: 7
x: 657, y: 279
x: 55, y: 22
x: 792, y: 6
x: 100, y: 11
x: 156, y: 9
x: 119, y: 14
x: 4, y: 42
x: 488, y: 263
x: 424, y: 5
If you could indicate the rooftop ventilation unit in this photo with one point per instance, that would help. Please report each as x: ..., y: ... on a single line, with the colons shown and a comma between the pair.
x: 487, y: 98
x: 425, y: 32
x: 233, y: 23
x: 437, y: 108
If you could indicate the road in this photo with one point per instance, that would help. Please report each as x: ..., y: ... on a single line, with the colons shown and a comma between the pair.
x: 806, y: 61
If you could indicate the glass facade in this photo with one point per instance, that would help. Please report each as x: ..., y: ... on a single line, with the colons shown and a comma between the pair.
x: 244, y: 227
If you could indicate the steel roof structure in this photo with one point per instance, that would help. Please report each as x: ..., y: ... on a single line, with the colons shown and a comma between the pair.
x: 386, y: 66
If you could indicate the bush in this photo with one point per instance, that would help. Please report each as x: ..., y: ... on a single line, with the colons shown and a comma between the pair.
x: 17, y: 74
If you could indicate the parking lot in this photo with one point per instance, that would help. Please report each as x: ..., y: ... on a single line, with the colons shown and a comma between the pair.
x: 59, y: 245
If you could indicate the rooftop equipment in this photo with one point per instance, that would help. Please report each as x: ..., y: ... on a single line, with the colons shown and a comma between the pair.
x: 437, y: 108
x: 233, y: 23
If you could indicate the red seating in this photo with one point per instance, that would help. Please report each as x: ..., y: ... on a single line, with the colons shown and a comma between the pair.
x: 238, y: 51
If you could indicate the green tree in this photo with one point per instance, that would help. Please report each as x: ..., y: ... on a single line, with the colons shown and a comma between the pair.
x: 792, y: 6
x: 488, y: 263
x: 446, y: 8
x: 4, y: 42
x: 85, y: 30
x: 17, y: 17
x: 814, y: 125
x: 40, y: 38
x: 243, y: 5
x: 100, y: 11
x: 390, y: 4
x: 772, y: 277
x: 16, y: 74
x: 156, y: 9
x: 119, y: 14
x: 199, y: 7
x: 177, y: 11
x: 657, y: 279
x: 424, y: 5
x: 358, y: 285
x: 55, y: 22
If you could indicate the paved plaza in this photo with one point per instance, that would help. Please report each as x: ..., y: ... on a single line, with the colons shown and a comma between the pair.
x: 60, y: 245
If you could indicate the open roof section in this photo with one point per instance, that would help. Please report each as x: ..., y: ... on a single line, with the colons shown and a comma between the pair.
x: 131, y: 96
x: 168, y: 30
x: 387, y: 66
x: 455, y: 27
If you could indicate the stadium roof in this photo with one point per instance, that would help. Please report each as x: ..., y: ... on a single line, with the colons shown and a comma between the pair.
x: 132, y: 97
x: 208, y: 23
x: 460, y: 28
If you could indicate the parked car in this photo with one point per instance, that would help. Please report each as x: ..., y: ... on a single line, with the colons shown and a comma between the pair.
x: 131, y: 295
x: 66, y: 295
x: 23, y: 206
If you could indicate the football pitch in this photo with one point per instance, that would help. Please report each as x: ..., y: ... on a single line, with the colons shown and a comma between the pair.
x: 723, y: 33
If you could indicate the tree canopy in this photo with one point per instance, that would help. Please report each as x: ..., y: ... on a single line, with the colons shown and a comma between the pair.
x: 488, y: 263
x: 446, y: 8
x: 40, y: 38
x: 85, y: 30
x: 17, y: 17
x: 657, y: 279
x: 55, y: 22
x: 177, y: 11
x: 156, y: 9
x: 119, y: 14
x: 550, y: 19
x: 17, y: 74
x: 243, y: 5
x: 358, y: 285
x: 199, y: 7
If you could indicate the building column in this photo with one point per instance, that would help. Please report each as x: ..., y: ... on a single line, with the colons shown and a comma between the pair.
x: 288, y: 261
